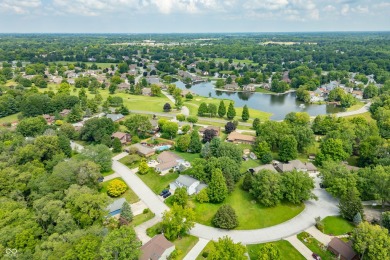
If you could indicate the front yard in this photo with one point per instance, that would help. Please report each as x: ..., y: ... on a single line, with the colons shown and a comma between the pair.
x: 336, y: 226
x: 315, y: 246
x: 286, y: 250
x: 156, y: 182
x: 129, y: 195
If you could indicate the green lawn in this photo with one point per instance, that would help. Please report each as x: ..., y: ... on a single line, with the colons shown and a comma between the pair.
x: 315, y: 246
x: 141, y: 218
x: 133, y: 165
x: 187, y: 156
x: 156, y: 182
x: 129, y: 195
x: 286, y: 250
x: 9, y: 119
x: 184, y: 245
x: 251, y: 215
x: 207, y: 249
x: 265, y: 91
x: 337, y: 226
x: 358, y: 105
x: 245, y: 165
x: 108, y: 172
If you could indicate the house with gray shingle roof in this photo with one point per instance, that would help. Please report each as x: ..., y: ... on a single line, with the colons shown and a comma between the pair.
x: 191, y: 184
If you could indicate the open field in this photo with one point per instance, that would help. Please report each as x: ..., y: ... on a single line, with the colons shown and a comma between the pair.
x: 286, y: 250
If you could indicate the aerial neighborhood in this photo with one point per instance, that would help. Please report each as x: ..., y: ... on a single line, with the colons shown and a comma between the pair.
x: 195, y: 146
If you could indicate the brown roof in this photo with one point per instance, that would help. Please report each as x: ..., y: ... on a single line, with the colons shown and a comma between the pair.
x: 118, y: 135
x: 341, y: 248
x: 144, y: 150
x: 167, y: 165
x: 233, y: 136
x: 167, y: 156
x: 310, y: 166
x: 155, y: 248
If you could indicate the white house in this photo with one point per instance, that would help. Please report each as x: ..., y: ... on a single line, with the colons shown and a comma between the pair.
x: 191, y: 184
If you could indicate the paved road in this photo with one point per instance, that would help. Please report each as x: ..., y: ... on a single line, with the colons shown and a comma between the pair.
x: 361, y: 110
x: 140, y: 230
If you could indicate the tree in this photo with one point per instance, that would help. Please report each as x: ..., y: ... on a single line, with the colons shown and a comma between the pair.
x: 75, y: 115
x: 370, y: 91
x: 371, y: 241
x: 167, y: 107
x: 95, y: 129
x: 225, y: 218
x: 331, y: 149
x: 126, y: 212
x: 245, y: 113
x: 192, y: 119
x: 189, y: 96
x: 221, y: 109
x: 262, y: 151
x: 225, y: 248
x: 231, y: 113
x: 288, y: 148
x: 99, y: 154
x: 180, y: 117
x: 177, y: 221
x: 268, y: 252
x: 217, y: 189
x: 385, y: 220
x: 350, y: 205
x: 267, y: 188
x: 116, y: 188
x: 202, y: 196
x: 170, y: 128
x: 357, y: 219
x: 247, y: 182
x: 121, y: 244
x: 208, y: 135
x: 138, y: 124
x: 256, y: 123
x: 32, y: 126
x: 116, y: 145
x: 225, y: 149
x: 203, y: 109
x: 183, y: 143
x: 143, y: 167
x: 229, y: 127
x: 195, y: 144
x: 180, y: 197
x: 297, y: 186
x: 64, y: 144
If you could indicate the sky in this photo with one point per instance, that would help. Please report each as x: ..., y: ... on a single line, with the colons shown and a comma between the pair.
x: 192, y: 16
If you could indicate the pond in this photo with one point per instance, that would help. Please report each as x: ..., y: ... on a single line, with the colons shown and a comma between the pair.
x: 278, y: 105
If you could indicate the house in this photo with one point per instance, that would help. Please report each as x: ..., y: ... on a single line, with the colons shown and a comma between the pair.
x: 65, y: 112
x: 142, y: 150
x: 147, y: 91
x: 115, y: 117
x: 49, y: 119
x: 123, y: 86
x: 286, y: 77
x: 153, y: 80
x: 157, y: 248
x: 311, y: 168
x: 191, y: 184
x: 269, y: 167
x: 167, y: 161
x: 237, y: 138
x: 342, y: 250
x: 215, y: 128
x: 115, y: 207
x: 249, y: 87
x: 123, y: 137
x: 231, y: 87
x: 290, y: 166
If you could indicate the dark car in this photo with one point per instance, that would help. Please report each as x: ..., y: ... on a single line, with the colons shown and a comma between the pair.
x: 164, y: 192
x: 316, y: 257
x: 166, y: 195
x: 100, y: 179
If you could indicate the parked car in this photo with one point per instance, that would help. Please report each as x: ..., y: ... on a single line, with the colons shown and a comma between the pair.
x: 316, y: 257
x: 166, y: 195
x: 100, y: 179
x: 164, y: 192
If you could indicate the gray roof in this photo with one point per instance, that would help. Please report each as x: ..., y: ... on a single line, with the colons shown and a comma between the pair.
x: 186, y: 180
x: 115, y: 117
x: 143, y: 149
x: 291, y: 165
x: 200, y: 187
x: 117, y: 204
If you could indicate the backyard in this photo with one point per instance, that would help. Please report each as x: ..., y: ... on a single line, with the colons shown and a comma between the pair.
x: 336, y: 226
x: 286, y: 250
x: 129, y: 195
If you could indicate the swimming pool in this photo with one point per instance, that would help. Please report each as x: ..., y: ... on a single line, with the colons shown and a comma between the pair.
x: 162, y: 148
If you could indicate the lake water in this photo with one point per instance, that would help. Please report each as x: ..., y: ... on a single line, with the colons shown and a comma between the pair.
x: 278, y: 105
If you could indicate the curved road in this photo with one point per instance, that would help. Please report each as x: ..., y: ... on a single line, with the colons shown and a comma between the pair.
x: 324, y: 206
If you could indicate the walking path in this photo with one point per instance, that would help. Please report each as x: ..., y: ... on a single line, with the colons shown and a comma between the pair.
x: 110, y: 177
x: 196, y: 250
x: 295, y: 242
x: 119, y: 156
x: 361, y: 110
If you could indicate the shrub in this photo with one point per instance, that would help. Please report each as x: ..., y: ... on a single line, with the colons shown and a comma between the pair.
x: 180, y: 117
x: 319, y: 224
x: 116, y: 188
x: 145, y: 211
x: 205, y: 254
x: 247, y: 183
x: 202, y: 196
x: 225, y: 218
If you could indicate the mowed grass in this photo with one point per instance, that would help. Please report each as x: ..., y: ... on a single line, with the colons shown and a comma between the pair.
x: 189, y: 157
x: 184, y: 245
x: 250, y: 213
x: 286, y: 250
x: 315, y: 246
x: 9, y: 119
x: 141, y: 218
x: 156, y: 182
x: 358, y: 105
x: 129, y: 195
x: 337, y: 226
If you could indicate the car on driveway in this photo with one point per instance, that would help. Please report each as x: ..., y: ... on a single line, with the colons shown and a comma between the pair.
x: 164, y: 192
x: 166, y: 195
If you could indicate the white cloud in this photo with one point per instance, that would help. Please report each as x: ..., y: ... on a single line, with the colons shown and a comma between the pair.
x: 19, y: 7
x: 345, y: 9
